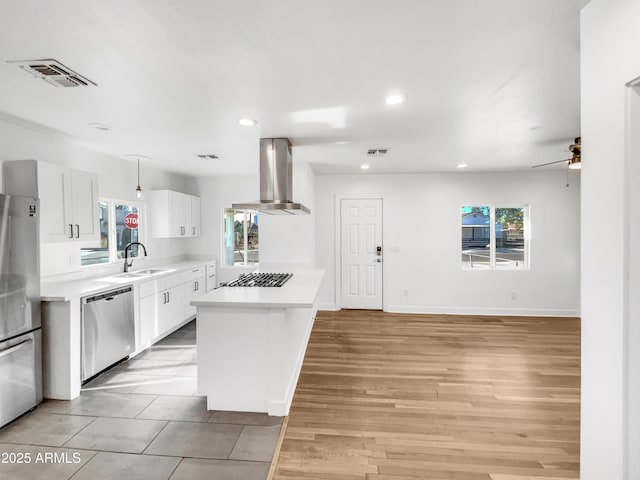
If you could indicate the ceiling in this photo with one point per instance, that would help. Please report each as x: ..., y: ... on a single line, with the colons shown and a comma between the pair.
x: 492, y: 83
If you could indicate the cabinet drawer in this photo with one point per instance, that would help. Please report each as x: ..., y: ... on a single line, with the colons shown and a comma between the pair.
x: 170, y: 281
x: 147, y: 288
x: 211, y: 282
x: 163, y: 283
x: 194, y: 273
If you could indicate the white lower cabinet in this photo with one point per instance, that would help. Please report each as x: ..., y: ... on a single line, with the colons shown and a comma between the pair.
x: 161, y: 307
x: 210, y: 270
x: 148, y: 321
x: 165, y: 303
x: 172, y: 308
x: 194, y: 287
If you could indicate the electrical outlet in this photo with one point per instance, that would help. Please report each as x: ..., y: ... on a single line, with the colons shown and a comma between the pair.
x: 514, y: 296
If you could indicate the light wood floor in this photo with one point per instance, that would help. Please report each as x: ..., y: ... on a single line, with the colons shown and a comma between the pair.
x: 397, y: 396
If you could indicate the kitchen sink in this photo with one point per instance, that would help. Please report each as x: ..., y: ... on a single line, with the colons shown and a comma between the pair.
x: 123, y: 277
x: 150, y: 271
x: 129, y: 276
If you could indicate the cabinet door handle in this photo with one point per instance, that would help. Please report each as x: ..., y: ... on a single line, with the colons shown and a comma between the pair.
x: 168, y: 297
x: 197, y: 286
x: 71, y: 230
x: 77, y: 231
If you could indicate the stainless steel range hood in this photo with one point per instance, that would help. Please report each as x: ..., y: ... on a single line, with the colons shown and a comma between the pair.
x: 275, y: 181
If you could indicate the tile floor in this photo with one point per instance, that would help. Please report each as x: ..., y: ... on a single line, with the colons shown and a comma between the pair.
x: 140, y: 420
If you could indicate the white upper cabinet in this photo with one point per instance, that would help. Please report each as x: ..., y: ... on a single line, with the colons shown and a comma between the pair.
x: 54, y: 191
x: 195, y: 216
x: 84, y: 205
x: 68, y: 198
x: 174, y: 214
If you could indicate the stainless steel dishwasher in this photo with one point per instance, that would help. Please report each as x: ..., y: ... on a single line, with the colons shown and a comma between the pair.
x: 108, y: 332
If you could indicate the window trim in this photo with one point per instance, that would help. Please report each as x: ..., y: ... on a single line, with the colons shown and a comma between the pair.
x: 113, y: 234
x: 526, y: 225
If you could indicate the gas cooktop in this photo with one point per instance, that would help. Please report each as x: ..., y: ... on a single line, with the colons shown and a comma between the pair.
x: 260, y: 279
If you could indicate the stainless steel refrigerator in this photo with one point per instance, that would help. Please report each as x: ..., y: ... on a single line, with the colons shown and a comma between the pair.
x: 20, y: 325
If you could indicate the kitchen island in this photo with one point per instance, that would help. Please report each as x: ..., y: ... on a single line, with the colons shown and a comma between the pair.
x: 252, y: 341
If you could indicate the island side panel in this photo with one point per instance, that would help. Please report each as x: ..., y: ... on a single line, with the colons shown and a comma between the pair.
x: 297, y: 329
x: 249, y: 359
x: 233, y: 372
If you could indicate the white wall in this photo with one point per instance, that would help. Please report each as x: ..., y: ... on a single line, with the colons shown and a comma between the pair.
x: 216, y: 194
x: 287, y: 238
x: 284, y: 239
x: 20, y: 140
x: 421, y: 217
x: 609, y: 43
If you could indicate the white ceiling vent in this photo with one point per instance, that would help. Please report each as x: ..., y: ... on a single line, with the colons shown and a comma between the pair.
x: 377, y: 152
x: 53, y: 72
x: 210, y: 156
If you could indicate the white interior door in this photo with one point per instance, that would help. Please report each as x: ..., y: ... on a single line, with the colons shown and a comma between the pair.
x: 361, y: 253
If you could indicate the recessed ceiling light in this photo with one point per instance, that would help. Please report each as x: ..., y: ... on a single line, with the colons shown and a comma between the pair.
x: 100, y: 126
x: 395, y: 99
x: 364, y: 166
x: 247, y: 122
x: 462, y: 165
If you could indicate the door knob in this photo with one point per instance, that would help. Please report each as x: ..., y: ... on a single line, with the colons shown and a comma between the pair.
x: 379, y: 260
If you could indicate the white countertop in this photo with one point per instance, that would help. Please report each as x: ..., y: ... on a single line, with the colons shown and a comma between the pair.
x: 300, y: 291
x: 56, y: 290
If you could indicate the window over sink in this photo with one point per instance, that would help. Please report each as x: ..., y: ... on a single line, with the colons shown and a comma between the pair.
x: 241, y: 238
x: 120, y: 223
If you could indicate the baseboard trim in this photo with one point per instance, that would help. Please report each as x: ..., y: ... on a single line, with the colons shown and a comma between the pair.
x: 512, y: 312
x: 331, y: 307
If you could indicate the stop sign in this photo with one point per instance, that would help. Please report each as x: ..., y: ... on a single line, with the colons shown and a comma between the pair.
x: 131, y: 221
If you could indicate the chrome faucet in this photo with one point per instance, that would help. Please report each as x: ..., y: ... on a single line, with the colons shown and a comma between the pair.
x: 127, y: 264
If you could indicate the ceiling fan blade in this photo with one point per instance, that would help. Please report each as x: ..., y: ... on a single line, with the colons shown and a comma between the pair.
x: 550, y: 163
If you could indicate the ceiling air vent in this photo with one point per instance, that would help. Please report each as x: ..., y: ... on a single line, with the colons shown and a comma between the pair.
x: 54, y: 73
x: 377, y: 152
x: 207, y: 155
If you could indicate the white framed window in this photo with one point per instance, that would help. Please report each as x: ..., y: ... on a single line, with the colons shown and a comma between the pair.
x: 494, y: 238
x: 120, y: 224
x: 241, y: 240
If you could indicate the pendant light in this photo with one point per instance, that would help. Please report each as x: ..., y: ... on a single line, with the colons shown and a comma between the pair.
x: 138, y: 157
x: 138, y: 187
